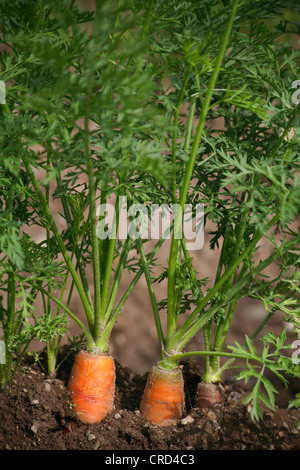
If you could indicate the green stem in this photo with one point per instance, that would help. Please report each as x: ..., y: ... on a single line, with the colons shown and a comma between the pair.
x: 160, y: 334
x: 194, y: 322
x: 50, y: 346
x: 223, y: 326
x: 171, y: 319
x: 111, y: 321
x: 93, y: 221
x: 11, y: 286
x: 48, y: 228
x: 148, y: 18
x: 110, y: 258
x: 179, y: 356
x: 51, y: 357
x: 219, y: 343
x: 54, y: 344
x: 116, y: 280
x: 137, y: 277
x: 86, y: 332
x: 80, y: 266
x: 286, y: 130
x: 207, y: 331
x: 189, y: 126
x: 59, y: 240
x: 253, y: 336
x: 174, y: 138
x: 187, y: 258
x: 172, y: 361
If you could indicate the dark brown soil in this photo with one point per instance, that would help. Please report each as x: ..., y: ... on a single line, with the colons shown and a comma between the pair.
x: 37, y: 415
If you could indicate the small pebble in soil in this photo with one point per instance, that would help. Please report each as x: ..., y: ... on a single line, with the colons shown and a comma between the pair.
x: 34, y: 427
x: 47, y: 387
x: 187, y: 420
x: 118, y: 416
x: 34, y: 402
x: 90, y: 436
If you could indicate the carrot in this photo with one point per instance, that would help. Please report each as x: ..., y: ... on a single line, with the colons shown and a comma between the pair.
x: 163, y: 399
x: 208, y: 395
x: 92, y: 386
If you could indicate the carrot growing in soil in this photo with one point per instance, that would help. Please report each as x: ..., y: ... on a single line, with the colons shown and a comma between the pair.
x: 95, y: 136
x: 163, y: 399
x: 249, y: 211
x: 92, y: 385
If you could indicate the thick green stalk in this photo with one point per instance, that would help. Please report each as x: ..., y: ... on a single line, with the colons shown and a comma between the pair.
x: 98, y: 319
x: 172, y: 318
x: 207, y: 331
x: 59, y: 240
x: 109, y: 258
x: 174, y: 137
x: 171, y: 326
x: 51, y: 357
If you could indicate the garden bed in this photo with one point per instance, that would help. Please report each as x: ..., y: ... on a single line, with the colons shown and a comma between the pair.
x: 37, y: 415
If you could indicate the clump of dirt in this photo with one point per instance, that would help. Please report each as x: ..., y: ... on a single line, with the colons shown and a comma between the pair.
x: 37, y: 415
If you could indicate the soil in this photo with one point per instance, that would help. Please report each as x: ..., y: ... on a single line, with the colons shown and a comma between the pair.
x: 37, y: 415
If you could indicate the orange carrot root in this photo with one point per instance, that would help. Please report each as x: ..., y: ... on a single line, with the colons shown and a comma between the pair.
x: 92, y: 386
x: 208, y: 395
x: 163, y: 399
